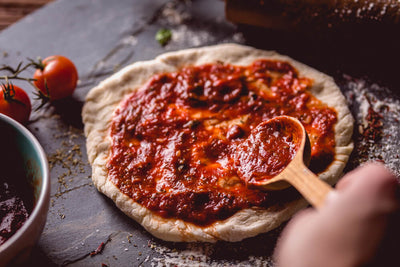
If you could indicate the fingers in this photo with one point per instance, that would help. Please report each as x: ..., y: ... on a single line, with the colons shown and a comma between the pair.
x: 297, y: 241
x: 373, y: 170
x: 347, y: 230
x: 371, y: 187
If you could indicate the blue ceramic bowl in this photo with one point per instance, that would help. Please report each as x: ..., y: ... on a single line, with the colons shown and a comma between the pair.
x: 21, y: 153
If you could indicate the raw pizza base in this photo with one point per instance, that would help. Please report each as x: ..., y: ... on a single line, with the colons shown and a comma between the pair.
x: 104, y: 99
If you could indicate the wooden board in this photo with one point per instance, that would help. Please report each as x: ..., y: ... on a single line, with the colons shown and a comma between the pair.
x: 13, y: 10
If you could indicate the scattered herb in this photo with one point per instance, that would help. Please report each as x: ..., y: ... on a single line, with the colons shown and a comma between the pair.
x: 163, y: 36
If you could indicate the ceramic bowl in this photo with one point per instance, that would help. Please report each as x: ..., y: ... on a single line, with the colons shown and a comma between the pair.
x: 16, y: 142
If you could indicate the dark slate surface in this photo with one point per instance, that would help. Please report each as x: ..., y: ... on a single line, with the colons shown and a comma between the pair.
x: 101, y: 36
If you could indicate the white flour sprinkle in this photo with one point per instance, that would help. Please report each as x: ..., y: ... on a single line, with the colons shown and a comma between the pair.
x: 173, y: 15
x: 386, y: 149
x: 200, y: 254
x: 182, y: 34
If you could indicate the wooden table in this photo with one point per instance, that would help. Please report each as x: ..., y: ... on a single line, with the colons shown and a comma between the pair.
x: 13, y: 10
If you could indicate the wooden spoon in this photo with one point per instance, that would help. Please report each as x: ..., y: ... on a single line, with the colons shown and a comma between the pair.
x: 290, y: 138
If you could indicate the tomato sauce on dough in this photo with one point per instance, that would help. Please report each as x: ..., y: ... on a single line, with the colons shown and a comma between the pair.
x: 177, y: 142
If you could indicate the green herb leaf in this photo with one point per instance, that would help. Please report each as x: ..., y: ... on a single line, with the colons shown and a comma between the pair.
x: 163, y: 36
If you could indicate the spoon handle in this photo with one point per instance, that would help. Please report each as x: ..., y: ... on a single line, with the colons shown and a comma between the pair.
x: 313, y: 189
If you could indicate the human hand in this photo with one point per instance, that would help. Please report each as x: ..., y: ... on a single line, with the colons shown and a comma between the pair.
x: 350, y: 226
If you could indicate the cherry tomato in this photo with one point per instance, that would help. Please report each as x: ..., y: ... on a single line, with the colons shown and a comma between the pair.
x: 15, y: 102
x: 56, y: 77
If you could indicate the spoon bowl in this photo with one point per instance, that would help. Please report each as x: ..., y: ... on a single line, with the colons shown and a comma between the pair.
x: 292, y: 133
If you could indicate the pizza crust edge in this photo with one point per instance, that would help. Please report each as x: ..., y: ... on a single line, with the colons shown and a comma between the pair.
x: 102, y: 100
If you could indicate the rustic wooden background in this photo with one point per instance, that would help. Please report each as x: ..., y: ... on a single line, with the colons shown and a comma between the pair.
x: 13, y: 10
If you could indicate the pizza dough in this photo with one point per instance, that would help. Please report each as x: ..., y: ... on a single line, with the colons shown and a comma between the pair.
x: 104, y: 99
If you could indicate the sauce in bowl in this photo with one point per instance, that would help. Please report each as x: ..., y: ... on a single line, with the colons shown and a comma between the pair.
x: 13, y: 210
x: 16, y: 194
